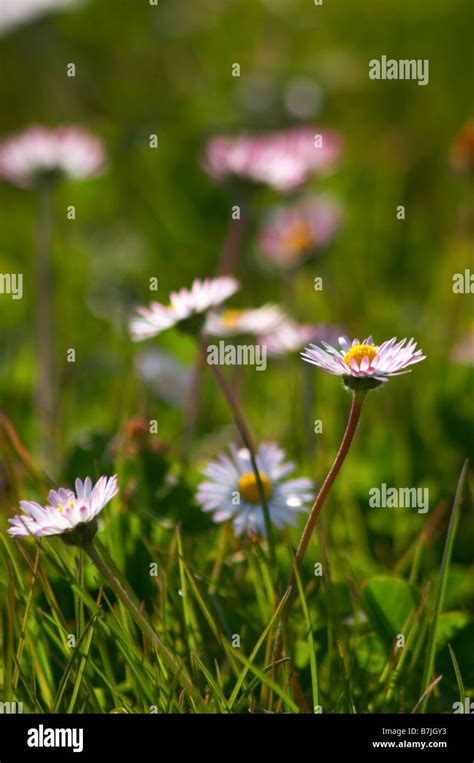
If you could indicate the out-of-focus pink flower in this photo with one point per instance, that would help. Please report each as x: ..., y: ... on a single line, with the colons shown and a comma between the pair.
x: 463, y: 351
x: 68, y: 150
x: 294, y: 232
x: 290, y: 336
x: 282, y: 160
x: 462, y: 151
x: 16, y: 12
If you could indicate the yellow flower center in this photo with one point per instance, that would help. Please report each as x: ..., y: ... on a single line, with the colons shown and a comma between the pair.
x: 70, y: 504
x: 231, y: 317
x: 248, y: 487
x: 359, y: 352
x: 298, y: 237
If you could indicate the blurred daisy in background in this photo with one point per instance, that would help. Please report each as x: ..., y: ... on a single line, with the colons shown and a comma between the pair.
x: 231, y: 491
x: 273, y: 328
x: 293, y: 233
x: 183, y: 305
x: 68, y: 151
x: 365, y: 359
x: 463, y: 351
x: 37, y: 158
x: 16, y: 12
x: 66, y: 509
x: 291, y: 336
x: 283, y: 160
x: 164, y: 375
x: 245, y: 321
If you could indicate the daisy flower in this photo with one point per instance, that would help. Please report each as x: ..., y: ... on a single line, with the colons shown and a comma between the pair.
x: 39, y: 151
x: 66, y: 512
x: 282, y: 160
x: 292, y: 233
x: 164, y: 375
x: 183, y: 305
x: 365, y: 360
x: 246, y: 321
x: 231, y: 490
x: 291, y: 336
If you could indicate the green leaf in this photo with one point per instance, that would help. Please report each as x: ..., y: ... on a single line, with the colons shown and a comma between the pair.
x: 371, y: 654
x: 388, y: 601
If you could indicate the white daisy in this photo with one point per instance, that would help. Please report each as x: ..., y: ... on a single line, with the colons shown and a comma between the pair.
x: 183, y: 304
x: 365, y: 360
x: 290, y: 336
x: 259, y: 320
x: 66, y: 511
x: 231, y: 491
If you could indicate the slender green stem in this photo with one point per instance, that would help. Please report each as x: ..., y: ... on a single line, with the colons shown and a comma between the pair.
x: 440, y: 590
x: 43, y: 275
x: 146, y: 628
x: 354, y: 416
x: 247, y: 439
x: 79, y: 603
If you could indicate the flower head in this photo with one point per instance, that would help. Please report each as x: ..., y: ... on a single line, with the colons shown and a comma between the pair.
x: 231, y: 490
x: 292, y: 233
x: 183, y: 305
x: 244, y: 321
x: 365, y: 360
x: 282, y: 160
x: 66, y: 512
x: 290, y: 336
x: 39, y: 151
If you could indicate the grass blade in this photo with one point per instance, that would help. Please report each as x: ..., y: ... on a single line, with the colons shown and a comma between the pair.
x: 441, y: 588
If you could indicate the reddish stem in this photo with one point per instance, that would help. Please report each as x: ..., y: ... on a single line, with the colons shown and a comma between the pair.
x: 354, y: 416
x: 232, y: 245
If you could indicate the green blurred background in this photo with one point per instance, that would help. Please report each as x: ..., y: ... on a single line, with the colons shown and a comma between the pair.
x: 168, y: 70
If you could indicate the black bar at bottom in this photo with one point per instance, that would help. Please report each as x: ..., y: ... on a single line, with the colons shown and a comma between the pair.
x: 148, y: 737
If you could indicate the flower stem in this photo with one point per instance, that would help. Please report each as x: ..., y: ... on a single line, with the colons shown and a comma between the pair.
x: 354, y: 416
x: 43, y: 274
x: 247, y: 439
x: 226, y: 266
x: 191, y: 407
x: 146, y: 628
x: 230, y: 252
